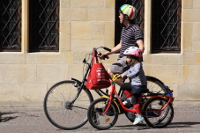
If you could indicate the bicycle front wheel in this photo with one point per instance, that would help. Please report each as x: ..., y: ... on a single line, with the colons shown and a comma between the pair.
x: 97, y: 119
x: 154, y: 118
x: 59, y: 109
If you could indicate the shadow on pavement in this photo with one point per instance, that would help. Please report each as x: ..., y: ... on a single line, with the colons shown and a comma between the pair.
x: 6, y: 118
x: 182, y: 124
x: 171, y: 125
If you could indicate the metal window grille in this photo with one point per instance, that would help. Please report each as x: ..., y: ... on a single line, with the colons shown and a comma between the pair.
x: 44, y: 25
x: 10, y: 25
x: 166, y: 25
x: 139, y: 19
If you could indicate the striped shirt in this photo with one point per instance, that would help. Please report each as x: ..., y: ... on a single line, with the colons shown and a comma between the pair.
x: 129, y: 36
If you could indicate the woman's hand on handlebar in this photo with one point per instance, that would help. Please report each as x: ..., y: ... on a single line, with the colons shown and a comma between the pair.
x: 103, y: 56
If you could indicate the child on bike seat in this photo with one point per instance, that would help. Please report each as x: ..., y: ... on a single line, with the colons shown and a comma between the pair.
x: 138, y: 84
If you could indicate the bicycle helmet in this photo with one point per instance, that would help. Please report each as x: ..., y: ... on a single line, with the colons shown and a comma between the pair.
x: 133, y: 51
x: 128, y: 10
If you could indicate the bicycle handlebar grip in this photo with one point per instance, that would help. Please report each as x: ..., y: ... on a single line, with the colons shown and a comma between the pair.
x: 108, y: 49
x: 124, y: 78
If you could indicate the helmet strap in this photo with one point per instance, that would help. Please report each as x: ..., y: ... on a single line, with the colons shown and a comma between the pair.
x: 125, y: 18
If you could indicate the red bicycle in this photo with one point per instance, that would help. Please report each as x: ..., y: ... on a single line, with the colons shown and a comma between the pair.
x: 157, y: 110
x: 66, y: 102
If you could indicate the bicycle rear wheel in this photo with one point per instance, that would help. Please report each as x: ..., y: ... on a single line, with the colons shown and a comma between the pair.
x: 97, y: 119
x: 158, y: 119
x: 155, y: 85
x: 58, y: 109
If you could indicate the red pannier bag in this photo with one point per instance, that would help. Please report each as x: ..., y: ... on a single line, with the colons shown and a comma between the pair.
x: 98, y: 78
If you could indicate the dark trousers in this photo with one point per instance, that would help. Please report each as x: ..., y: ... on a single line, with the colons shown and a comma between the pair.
x: 136, y: 91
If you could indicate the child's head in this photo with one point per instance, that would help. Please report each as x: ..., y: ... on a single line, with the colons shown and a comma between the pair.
x: 128, y: 12
x: 133, y: 55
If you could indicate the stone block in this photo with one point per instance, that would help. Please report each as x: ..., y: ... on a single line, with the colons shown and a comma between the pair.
x: 190, y: 74
x: 17, y: 73
x: 110, y: 3
x: 187, y: 4
x: 49, y: 58
x: 87, y: 3
x: 33, y: 92
x: 98, y: 30
x: 196, y: 4
x: 110, y: 35
x: 64, y: 3
x: 189, y: 92
x: 73, y: 14
x: 98, y: 14
x: 169, y: 74
x: 81, y: 30
x: 79, y: 56
x: 9, y: 92
x: 163, y: 59
x: 12, y: 58
x: 187, y: 36
x: 76, y: 71
x: 190, y: 15
x: 65, y: 27
x: 198, y: 58
x: 48, y: 73
x: 85, y: 45
x: 64, y: 42
x: 189, y: 58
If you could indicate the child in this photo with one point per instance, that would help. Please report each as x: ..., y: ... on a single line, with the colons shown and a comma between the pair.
x: 138, y: 82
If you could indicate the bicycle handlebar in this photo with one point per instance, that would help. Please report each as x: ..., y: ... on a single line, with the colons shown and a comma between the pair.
x: 108, y: 49
x: 99, y: 53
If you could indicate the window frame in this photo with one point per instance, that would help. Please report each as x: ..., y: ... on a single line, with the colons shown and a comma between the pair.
x: 176, y: 33
x: 12, y: 17
x: 33, y: 45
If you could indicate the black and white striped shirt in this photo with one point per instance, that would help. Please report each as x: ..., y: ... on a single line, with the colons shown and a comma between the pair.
x: 129, y: 36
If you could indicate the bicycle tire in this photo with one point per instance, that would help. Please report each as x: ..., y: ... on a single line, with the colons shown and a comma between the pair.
x: 99, y: 121
x: 154, y: 85
x: 58, y: 110
x: 156, y: 119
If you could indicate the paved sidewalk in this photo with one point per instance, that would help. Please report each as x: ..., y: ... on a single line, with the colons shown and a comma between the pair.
x: 33, y: 120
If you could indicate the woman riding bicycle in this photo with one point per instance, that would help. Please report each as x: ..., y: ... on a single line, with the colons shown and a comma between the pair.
x: 131, y: 35
x: 138, y: 84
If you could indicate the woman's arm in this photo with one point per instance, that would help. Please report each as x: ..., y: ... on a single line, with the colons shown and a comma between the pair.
x: 140, y: 44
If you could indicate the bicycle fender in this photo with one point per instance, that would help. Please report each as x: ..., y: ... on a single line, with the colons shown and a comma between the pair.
x: 79, y: 82
x: 151, y: 77
x: 146, y: 102
x: 106, y: 97
x: 150, y: 99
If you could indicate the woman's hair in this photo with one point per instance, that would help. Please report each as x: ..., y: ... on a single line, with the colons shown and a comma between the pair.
x: 126, y: 16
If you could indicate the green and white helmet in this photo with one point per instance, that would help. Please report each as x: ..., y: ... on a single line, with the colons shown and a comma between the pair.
x: 128, y: 10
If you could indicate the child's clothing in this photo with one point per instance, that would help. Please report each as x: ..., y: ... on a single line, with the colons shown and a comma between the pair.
x: 138, y: 82
x: 136, y: 74
x: 135, y: 88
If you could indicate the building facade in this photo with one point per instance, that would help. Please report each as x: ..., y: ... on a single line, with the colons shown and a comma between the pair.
x: 44, y: 43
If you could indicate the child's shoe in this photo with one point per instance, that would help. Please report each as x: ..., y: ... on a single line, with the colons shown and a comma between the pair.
x: 128, y: 101
x: 138, y: 119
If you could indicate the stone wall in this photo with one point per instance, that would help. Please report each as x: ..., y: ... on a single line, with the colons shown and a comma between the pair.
x: 25, y: 77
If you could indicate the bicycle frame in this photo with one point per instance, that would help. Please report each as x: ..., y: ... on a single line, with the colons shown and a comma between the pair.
x: 114, y: 93
x: 82, y: 84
